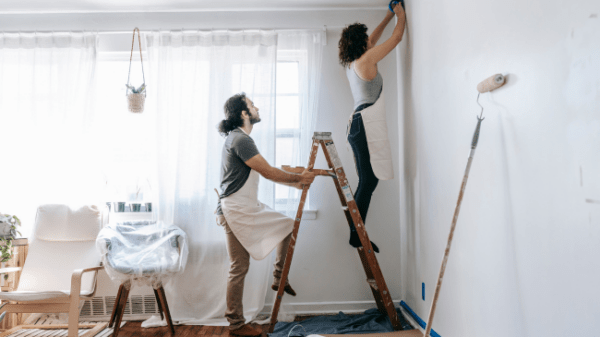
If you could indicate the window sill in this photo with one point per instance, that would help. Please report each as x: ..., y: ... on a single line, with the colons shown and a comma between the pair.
x: 129, y: 216
x: 307, y: 214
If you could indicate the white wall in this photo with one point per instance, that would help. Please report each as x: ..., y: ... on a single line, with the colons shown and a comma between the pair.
x: 326, y: 271
x: 524, y: 260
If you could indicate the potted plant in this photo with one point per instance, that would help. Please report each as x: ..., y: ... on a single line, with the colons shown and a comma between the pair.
x: 136, y: 198
x: 8, y: 226
x: 8, y: 231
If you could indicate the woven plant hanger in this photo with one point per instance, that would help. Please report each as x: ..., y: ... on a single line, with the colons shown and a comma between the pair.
x: 136, y: 100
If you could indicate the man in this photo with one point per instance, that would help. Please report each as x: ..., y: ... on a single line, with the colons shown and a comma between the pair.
x: 252, y: 228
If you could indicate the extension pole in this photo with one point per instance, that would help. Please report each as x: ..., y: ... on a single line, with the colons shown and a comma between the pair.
x: 452, y: 227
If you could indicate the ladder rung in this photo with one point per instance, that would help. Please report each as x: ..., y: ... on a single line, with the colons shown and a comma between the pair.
x: 372, y: 283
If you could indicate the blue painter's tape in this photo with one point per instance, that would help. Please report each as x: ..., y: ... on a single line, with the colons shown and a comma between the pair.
x: 418, y: 319
x: 423, y: 290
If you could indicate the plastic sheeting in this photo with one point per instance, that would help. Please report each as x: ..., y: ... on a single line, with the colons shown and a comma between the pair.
x: 371, y: 321
x: 143, y: 252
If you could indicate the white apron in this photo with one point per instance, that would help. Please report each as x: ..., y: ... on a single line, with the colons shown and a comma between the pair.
x: 377, y: 139
x: 257, y: 226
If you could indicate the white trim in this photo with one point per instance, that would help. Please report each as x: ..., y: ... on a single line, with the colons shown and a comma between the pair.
x: 310, y: 308
x: 410, y: 319
x: 198, y: 10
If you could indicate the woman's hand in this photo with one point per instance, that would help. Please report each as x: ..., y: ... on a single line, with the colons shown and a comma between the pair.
x: 399, y: 10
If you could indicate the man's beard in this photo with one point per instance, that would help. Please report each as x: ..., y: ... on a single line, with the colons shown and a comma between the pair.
x: 254, y: 120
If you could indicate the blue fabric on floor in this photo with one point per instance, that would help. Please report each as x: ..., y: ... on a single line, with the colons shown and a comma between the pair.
x: 371, y: 321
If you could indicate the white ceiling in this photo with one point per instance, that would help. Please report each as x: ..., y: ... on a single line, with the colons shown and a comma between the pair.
x: 91, y: 6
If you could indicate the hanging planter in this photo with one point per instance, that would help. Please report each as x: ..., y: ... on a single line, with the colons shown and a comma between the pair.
x: 136, y: 96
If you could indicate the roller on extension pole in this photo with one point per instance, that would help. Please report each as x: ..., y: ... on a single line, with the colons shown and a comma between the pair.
x: 489, y: 84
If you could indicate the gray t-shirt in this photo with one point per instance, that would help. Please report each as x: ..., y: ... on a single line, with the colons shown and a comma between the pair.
x: 238, y: 148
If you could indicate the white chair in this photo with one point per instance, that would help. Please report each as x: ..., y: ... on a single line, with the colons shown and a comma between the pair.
x: 61, y: 265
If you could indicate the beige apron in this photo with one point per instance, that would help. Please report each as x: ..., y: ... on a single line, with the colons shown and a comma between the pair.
x: 377, y: 139
x: 257, y: 227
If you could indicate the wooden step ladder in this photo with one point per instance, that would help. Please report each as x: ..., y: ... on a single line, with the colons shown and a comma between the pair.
x: 367, y: 256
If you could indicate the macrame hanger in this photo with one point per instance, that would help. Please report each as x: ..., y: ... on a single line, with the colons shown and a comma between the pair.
x: 131, y: 57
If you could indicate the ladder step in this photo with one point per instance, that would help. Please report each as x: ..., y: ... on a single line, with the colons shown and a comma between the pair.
x: 372, y: 283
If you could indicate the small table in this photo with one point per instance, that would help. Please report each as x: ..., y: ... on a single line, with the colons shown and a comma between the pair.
x: 20, y: 248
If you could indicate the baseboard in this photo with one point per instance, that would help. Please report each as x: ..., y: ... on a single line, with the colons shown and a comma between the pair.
x: 415, y: 320
x: 316, y: 308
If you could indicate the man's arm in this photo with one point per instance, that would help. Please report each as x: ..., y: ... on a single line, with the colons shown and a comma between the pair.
x: 260, y: 165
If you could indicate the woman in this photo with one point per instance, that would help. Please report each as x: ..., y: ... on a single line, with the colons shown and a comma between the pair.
x: 359, y: 55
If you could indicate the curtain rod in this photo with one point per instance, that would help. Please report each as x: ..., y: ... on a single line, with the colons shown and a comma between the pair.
x: 105, y: 32
x: 108, y: 32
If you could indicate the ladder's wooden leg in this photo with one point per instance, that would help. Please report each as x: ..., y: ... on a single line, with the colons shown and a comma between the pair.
x: 367, y: 256
x: 292, y: 246
x: 371, y: 281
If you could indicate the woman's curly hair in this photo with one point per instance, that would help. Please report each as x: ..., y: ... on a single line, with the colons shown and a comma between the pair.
x: 233, y: 113
x: 353, y: 43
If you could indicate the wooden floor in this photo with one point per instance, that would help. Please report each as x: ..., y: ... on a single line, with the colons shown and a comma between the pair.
x: 134, y: 329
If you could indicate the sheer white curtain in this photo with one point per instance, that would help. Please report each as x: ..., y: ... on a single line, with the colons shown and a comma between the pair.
x: 191, y: 75
x: 45, y: 115
x: 305, y: 46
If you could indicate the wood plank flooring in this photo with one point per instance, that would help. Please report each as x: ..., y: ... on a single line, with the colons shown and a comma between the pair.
x: 134, y: 329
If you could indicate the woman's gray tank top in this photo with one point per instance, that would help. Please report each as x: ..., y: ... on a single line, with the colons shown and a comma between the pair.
x: 363, y: 91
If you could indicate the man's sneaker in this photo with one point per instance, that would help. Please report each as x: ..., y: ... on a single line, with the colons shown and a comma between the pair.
x: 245, y: 330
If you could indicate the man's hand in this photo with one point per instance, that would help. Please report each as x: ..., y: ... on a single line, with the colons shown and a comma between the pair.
x: 307, y: 177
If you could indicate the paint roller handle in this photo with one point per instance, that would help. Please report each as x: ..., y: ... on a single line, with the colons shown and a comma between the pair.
x: 476, y: 133
x: 395, y: 2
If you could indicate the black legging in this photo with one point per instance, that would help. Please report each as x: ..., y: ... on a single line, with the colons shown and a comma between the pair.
x: 367, y: 181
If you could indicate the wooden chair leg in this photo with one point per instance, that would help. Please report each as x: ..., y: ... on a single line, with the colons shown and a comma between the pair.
x: 160, y: 309
x: 73, y: 323
x: 165, y: 306
x: 122, y: 304
x: 113, y: 316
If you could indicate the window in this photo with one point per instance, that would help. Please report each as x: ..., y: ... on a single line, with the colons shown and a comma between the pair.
x: 287, y: 117
x: 127, y: 139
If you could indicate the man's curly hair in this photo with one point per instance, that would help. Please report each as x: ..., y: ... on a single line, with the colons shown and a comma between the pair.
x: 353, y: 43
x: 233, y: 113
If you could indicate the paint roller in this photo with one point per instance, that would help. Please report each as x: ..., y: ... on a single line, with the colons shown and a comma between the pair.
x: 489, y: 84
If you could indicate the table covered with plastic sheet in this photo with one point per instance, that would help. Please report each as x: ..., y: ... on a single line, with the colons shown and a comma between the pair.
x: 142, y: 252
